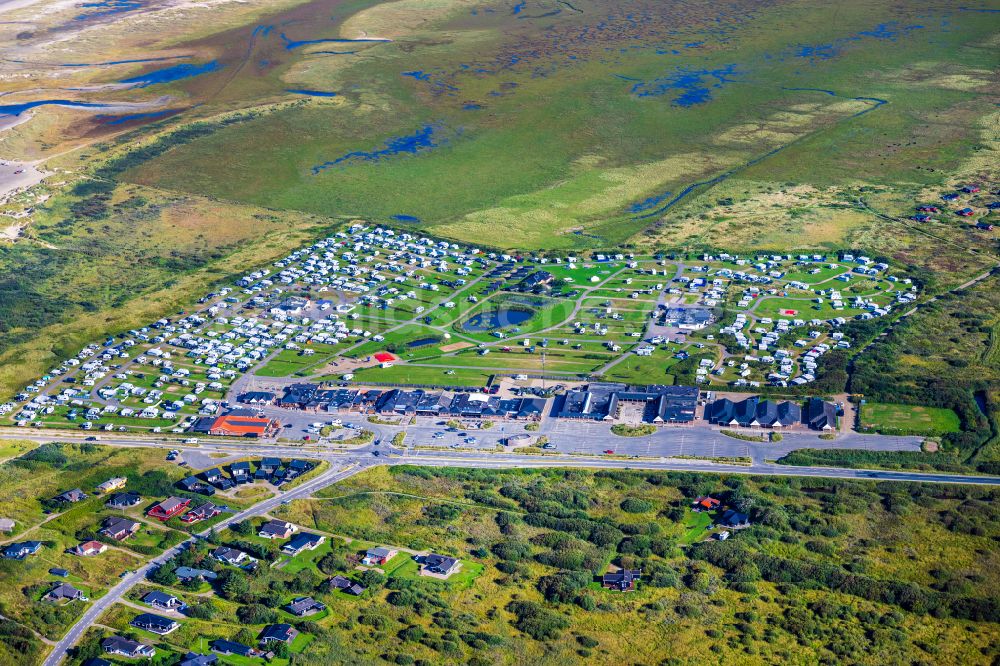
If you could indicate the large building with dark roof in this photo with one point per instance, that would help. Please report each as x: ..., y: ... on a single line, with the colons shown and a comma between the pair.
x: 603, y: 401
x: 753, y: 412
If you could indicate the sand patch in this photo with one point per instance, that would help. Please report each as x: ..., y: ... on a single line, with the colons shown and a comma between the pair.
x: 455, y: 346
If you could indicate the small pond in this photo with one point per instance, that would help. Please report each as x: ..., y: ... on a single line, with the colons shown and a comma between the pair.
x: 499, y: 318
x: 422, y: 342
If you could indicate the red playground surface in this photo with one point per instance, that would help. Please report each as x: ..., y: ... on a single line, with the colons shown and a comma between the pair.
x: 790, y: 313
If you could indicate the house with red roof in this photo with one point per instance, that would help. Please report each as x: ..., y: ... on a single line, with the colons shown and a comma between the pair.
x: 168, y: 508
x: 706, y: 504
x: 233, y: 425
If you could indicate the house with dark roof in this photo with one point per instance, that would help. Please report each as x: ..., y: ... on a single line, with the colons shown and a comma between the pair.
x: 596, y: 401
x: 123, y: 500
x: 203, y: 512
x: 432, y: 404
x: 603, y: 401
x: 304, y: 606
x: 256, y: 398
x: 771, y: 414
x: 231, y: 556
x: 276, y: 529
x: 164, y: 601
x: 297, y: 396
x: 65, y: 592
x: 225, y: 648
x: 156, y: 624
x: 192, y: 484
x: 821, y: 415
x: 240, y: 471
x: 345, y: 584
x: 733, y: 518
x: 278, y: 633
x: 195, y: 659
x: 398, y: 401
x: 213, y: 475
x: 72, y: 496
x: 376, y: 557
x: 302, y: 541
x: 21, y: 550
x: 126, y: 647
x: 623, y: 580
x: 119, y: 529
x: 473, y: 405
x: 753, y: 412
x: 269, y: 465
x: 190, y: 573
x: 439, y: 565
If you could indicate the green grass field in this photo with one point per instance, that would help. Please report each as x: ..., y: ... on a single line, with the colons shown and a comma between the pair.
x: 909, y: 418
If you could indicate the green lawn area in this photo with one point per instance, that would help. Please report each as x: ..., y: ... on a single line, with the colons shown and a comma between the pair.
x: 412, y: 374
x: 12, y: 448
x: 307, y: 559
x: 695, y: 526
x: 462, y: 579
x: 888, y: 417
x: 644, y: 370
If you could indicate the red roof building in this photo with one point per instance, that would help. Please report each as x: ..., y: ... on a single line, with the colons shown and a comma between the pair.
x: 706, y: 504
x: 243, y: 426
x: 168, y: 508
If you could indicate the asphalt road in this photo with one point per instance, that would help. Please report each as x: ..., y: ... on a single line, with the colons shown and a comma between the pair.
x: 364, y: 456
x: 98, y: 607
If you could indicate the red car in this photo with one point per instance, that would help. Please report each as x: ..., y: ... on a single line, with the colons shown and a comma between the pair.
x: 609, y: 451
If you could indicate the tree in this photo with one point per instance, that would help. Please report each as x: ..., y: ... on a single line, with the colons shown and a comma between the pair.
x: 204, y: 610
x: 243, y: 528
x: 564, y: 586
x: 244, y: 636
x: 741, y: 500
x: 256, y: 614
x: 332, y: 562
x: 537, y: 621
x: 163, y: 575
x: 372, y: 579
x: 636, y: 505
x: 235, y: 585
x: 512, y: 551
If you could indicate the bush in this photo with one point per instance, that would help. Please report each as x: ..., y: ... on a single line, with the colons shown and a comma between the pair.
x: 636, y: 505
x: 256, y: 614
x: 564, y: 586
x: 537, y: 621
x: 624, y: 430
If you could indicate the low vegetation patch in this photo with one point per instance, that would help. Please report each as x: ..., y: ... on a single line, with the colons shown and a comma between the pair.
x: 745, y: 437
x: 625, y: 430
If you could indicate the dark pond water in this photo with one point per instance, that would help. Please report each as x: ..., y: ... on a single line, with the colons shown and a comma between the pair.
x: 422, y: 342
x: 500, y: 318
